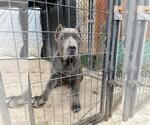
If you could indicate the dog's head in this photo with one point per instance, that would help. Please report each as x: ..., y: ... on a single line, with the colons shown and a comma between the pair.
x: 68, y: 40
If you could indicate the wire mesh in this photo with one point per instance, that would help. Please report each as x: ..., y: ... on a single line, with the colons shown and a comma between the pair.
x: 27, y: 51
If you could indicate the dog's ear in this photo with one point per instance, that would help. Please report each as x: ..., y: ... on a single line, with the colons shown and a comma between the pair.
x: 78, y: 29
x: 58, y: 29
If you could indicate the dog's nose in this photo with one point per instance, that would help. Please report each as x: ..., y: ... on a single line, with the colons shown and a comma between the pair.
x: 72, y: 48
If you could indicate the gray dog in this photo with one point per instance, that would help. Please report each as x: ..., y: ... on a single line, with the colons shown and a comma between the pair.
x: 66, y: 66
x: 66, y: 69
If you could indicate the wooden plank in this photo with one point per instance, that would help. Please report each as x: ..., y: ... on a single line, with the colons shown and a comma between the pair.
x: 100, y: 18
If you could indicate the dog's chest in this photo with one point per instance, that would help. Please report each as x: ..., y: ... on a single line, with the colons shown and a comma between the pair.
x: 67, y: 67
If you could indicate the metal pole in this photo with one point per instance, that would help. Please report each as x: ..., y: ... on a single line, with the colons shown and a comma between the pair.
x: 3, y: 107
x: 137, y: 58
x: 130, y: 20
x: 113, y: 56
x: 104, y: 95
x: 30, y: 108
x: 90, y: 35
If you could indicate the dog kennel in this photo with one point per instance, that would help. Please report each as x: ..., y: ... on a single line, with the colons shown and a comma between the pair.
x: 110, y: 48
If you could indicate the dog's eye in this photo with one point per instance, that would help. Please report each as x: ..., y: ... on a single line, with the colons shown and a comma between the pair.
x: 62, y: 38
x: 76, y: 37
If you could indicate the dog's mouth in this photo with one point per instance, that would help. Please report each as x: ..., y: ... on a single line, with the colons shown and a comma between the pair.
x: 72, y: 52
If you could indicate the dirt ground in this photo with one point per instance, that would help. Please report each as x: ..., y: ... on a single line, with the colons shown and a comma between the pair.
x: 141, y: 117
x: 57, y: 110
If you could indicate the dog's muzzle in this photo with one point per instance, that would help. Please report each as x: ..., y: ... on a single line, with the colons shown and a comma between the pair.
x: 72, y: 50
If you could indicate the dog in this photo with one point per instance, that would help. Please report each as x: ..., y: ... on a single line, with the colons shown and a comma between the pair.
x: 66, y: 69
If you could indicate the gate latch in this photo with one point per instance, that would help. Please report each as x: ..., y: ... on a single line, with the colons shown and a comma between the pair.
x: 143, y: 13
x: 118, y: 11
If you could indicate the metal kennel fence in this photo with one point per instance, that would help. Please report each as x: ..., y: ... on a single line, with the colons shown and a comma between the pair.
x: 29, y: 49
x: 26, y: 77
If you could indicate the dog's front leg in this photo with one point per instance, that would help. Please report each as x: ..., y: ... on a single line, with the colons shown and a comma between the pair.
x: 39, y: 101
x: 75, y: 90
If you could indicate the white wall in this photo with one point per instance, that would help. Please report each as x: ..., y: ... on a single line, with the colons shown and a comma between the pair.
x: 11, y: 35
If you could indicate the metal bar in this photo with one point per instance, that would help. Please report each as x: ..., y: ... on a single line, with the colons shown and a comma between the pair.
x: 38, y: 54
x: 16, y: 54
x: 138, y: 40
x: 53, y: 102
x: 106, y: 63
x: 30, y: 108
x: 137, y: 58
x: 49, y: 31
x: 62, y: 101
x: 35, y: 58
x: 68, y: 25
x: 129, y: 23
x: 113, y: 57
x: 90, y: 30
x: 90, y: 45
x: 3, y: 107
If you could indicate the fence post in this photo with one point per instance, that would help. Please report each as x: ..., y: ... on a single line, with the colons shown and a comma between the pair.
x: 129, y: 26
x: 137, y: 56
x: 113, y: 56
x: 3, y: 107
x: 105, y: 92
x: 133, y: 57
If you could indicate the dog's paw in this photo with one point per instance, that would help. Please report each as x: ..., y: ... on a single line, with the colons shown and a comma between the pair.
x: 37, y: 101
x: 76, y: 107
x: 14, y: 101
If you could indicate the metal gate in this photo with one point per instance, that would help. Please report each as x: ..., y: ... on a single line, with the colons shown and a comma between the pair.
x: 24, y: 72
x: 114, y: 73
